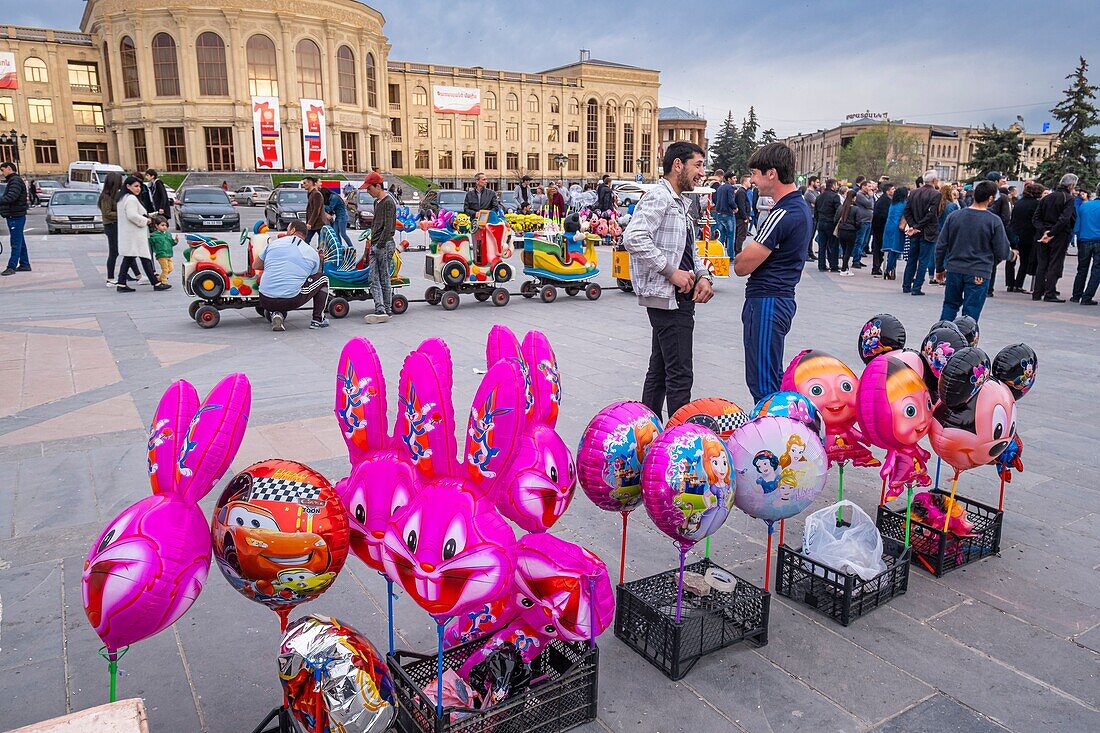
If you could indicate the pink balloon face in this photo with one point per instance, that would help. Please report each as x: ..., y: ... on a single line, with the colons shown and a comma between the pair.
x: 829, y: 383
x: 562, y: 590
x: 912, y: 416
x: 612, y: 452
x: 543, y: 479
x: 377, y: 488
x: 977, y: 433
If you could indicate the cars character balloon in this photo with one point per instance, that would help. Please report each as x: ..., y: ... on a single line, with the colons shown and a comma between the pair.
x: 716, y: 413
x: 831, y: 386
x: 882, y: 334
x: 150, y: 563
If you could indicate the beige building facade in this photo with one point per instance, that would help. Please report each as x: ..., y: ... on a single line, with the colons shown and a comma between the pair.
x: 675, y: 123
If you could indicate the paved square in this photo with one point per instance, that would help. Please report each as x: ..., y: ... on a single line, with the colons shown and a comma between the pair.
x: 1012, y: 642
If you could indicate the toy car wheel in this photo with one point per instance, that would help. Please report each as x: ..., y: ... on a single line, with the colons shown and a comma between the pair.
x: 207, y: 285
x: 593, y: 291
x: 481, y: 295
x: 502, y: 272
x: 548, y: 294
x: 625, y: 285
x: 454, y: 273
x: 433, y: 295
x: 261, y: 312
x: 501, y: 297
x: 449, y: 301
x: 339, y: 308
x: 528, y: 289
x: 193, y: 308
x: 207, y: 316
x: 400, y: 304
x: 572, y: 290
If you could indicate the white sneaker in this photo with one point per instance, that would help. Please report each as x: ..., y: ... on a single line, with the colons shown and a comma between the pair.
x: 111, y: 283
x: 847, y: 273
x: 376, y: 318
x: 277, y: 322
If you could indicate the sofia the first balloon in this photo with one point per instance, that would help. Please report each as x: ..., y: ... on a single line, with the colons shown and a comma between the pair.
x: 780, y: 467
x: 611, y: 453
x: 687, y: 483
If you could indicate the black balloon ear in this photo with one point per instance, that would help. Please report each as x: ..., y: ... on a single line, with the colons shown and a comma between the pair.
x: 968, y: 327
x: 963, y: 375
x: 944, y: 324
x: 1016, y: 366
x: 880, y: 335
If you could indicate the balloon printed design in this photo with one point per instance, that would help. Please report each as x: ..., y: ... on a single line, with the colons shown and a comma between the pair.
x: 794, y: 405
x: 687, y: 483
x: 149, y: 564
x: 915, y: 360
x: 780, y: 467
x: 716, y: 413
x: 612, y: 452
x: 940, y: 345
x: 978, y: 431
x: 882, y: 334
x: 1016, y: 366
x: 968, y: 327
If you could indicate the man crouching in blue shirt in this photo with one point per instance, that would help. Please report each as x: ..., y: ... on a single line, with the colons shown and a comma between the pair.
x: 773, y: 260
x: 292, y: 277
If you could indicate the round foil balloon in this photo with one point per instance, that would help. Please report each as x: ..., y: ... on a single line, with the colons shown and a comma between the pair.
x: 1016, y: 366
x: 963, y: 375
x: 611, y: 452
x: 794, y: 405
x: 280, y: 534
x: 916, y: 361
x: 940, y: 345
x: 334, y: 678
x: 978, y: 431
x: 780, y: 467
x: 687, y: 483
x: 968, y: 327
x: 881, y: 334
x: 716, y: 413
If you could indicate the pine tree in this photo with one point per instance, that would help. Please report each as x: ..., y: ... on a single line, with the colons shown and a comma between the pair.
x: 768, y: 137
x: 723, y: 149
x: 745, y: 143
x: 1077, y: 149
x: 999, y: 150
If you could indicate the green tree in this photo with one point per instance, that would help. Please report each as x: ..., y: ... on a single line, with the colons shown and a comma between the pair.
x: 745, y: 144
x: 999, y: 150
x: 881, y: 150
x: 724, y: 148
x: 1077, y: 149
x: 768, y: 137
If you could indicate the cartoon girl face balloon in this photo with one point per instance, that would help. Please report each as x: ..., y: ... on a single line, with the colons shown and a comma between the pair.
x: 831, y: 386
x: 895, y: 411
x: 780, y: 467
x: 611, y: 454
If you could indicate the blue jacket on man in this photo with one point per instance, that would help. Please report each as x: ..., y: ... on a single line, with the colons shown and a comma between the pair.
x: 724, y: 200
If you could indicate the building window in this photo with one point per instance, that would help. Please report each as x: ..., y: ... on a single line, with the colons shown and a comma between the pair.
x: 445, y: 129
x: 511, y: 102
x: 107, y: 73
x: 469, y: 129
x: 592, y: 132
x: 395, y: 159
x: 41, y: 111
x: 141, y: 153
x: 511, y: 161
x: 263, y: 73
x: 345, y: 75
x: 420, y: 98
x: 7, y: 111
x: 490, y: 131
x: 491, y: 161
x: 349, y: 151
x: 469, y: 160
x: 34, y: 70
x: 210, y: 57
x: 395, y: 129
x: 532, y: 161
x: 574, y: 106
x: 372, y: 145
x: 628, y: 138
x: 372, y: 83
x: 45, y: 151
x: 92, y: 151
x: 308, y: 57
x: 647, y: 150
x: 532, y: 133
x: 219, y: 148
x: 554, y: 135
x: 574, y: 162
x: 131, y: 89
x: 511, y: 131
x: 8, y: 151
x: 490, y: 101
x: 555, y: 106
x: 166, y: 77
x: 533, y: 104
x: 446, y: 160
x: 84, y: 77
x: 610, y: 142
x: 421, y: 126
x: 175, y: 149
x: 421, y: 160
x: 394, y: 94
x: 573, y: 134
x: 88, y: 117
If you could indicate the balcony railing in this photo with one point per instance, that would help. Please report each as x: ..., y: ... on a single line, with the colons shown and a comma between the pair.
x: 85, y: 88
x: 395, y: 138
x: 91, y: 128
x: 395, y: 106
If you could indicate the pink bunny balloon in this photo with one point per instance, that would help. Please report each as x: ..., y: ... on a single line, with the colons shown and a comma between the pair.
x: 380, y: 482
x: 148, y: 566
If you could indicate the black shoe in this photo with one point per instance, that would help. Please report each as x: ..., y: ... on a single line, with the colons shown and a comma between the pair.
x: 8, y: 271
x: 125, y: 289
x: 917, y: 292
x: 162, y: 286
x: 857, y: 265
x: 1075, y: 299
x: 834, y: 271
x: 1088, y: 301
x: 876, y: 273
x: 989, y: 295
x: 23, y: 268
x: 1053, y: 299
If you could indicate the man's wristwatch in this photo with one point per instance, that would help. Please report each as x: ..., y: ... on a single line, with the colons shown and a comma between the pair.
x: 707, y: 276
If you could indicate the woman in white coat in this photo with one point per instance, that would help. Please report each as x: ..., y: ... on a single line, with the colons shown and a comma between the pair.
x: 133, y: 236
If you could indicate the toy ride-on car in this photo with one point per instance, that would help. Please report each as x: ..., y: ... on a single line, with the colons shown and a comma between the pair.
x: 461, y: 261
x: 349, y: 274
x: 560, y: 260
x: 220, y: 275
x: 711, y: 251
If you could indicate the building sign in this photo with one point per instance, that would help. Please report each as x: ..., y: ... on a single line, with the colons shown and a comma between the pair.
x: 266, y: 133
x: 8, y: 79
x: 456, y: 100
x: 314, y: 135
x: 868, y: 116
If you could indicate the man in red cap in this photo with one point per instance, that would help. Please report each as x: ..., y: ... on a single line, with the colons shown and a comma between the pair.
x: 380, y: 253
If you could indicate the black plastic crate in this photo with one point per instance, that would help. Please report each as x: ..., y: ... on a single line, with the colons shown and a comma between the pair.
x: 940, y: 552
x: 645, y: 619
x: 842, y: 596
x: 562, y: 697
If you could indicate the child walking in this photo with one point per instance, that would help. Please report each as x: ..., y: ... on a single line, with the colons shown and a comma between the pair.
x: 162, y: 242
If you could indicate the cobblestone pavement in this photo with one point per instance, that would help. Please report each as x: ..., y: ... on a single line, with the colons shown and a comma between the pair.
x: 1010, y: 642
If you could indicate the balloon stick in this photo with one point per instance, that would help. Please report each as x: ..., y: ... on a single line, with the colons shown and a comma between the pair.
x: 112, y: 667
x: 592, y: 612
x: 768, y: 559
x: 389, y: 609
x: 1001, y: 500
x: 622, y: 552
x: 439, y: 672
x: 680, y: 585
x: 839, y: 493
x: 951, y: 501
x: 706, y: 549
x: 781, y: 528
x: 908, y: 514
x: 939, y: 462
x: 882, y: 496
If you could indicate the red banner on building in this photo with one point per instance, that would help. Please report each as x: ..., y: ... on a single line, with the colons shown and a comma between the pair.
x: 266, y: 133
x: 314, y: 135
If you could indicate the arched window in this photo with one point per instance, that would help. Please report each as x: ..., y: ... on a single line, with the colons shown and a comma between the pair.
x: 34, y: 69
x: 628, y: 137
x: 345, y: 71
x: 533, y: 104
x: 372, y: 83
x: 555, y: 106
x: 610, y: 142
x: 420, y: 97
x: 309, y: 69
x: 511, y: 102
x: 131, y: 89
x: 210, y: 58
x: 574, y: 106
x: 591, y: 138
x: 107, y: 73
x: 647, y: 115
x: 263, y: 73
x: 166, y: 73
x: 490, y: 100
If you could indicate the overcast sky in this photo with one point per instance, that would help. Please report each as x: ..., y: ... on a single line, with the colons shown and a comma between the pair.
x: 803, y: 65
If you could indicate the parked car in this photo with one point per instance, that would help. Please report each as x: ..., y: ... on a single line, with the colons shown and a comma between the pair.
x: 629, y: 192
x: 201, y: 208
x: 451, y: 199
x: 284, y: 205
x: 290, y: 184
x: 360, y: 209
x: 46, y: 188
x: 509, y: 201
x: 73, y: 211
x: 251, y: 195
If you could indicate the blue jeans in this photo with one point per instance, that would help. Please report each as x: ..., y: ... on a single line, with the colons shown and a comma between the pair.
x: 891, y: 261
x: 963, y: 291
x: 340, y: 224
x: 862, y: 237
x: 1088, y: 265
x: 728, y: 231
x: 920, y: 263
x: 18, y: 242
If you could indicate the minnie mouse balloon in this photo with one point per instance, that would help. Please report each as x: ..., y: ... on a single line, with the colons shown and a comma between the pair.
x: 968, y: 327
x: 882, y: 334
x: 940, y: 345
x: 780, y: 467
x: 687, y: 483
x: 1016, y: 366
x: 963, y: 375
x: 895, y: 411
x: 611, y: 453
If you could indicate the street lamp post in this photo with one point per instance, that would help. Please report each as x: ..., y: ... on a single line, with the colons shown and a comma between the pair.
x: 561, y: 160
x: 641, y: 168
x: 18, y: 142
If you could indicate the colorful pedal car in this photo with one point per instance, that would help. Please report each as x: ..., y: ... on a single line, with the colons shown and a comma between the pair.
x: 564, y: 260
x: 461, y: 261
x: 349, y: 276
x: 220, y: 275
x: 711, y: 250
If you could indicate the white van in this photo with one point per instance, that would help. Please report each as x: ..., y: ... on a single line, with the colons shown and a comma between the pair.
x: 89, y: 174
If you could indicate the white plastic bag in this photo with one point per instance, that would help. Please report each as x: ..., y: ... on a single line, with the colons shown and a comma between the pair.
x: 848, y: 549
